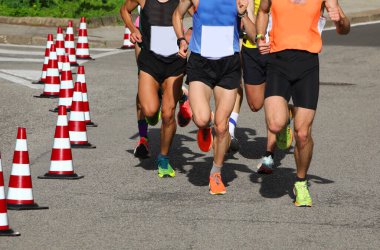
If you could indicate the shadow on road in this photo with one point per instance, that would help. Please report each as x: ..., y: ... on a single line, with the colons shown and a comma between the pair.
x: 281, y: 182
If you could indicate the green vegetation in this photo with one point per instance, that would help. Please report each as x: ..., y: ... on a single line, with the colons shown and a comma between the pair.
x: 60, y: 8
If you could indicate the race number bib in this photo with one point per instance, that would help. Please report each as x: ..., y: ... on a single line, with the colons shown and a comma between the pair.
x: 163, y: 40
x: 321, y: 24
x: 217, y: 41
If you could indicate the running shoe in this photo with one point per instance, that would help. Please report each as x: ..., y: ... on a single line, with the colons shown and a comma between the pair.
x: 301, y: 191
x: 216, y: 185
x: 164, y: 167
x: 204, y: 139
x: 152, y: 121
x: 234, y: 145
x: 284, y: 139
x: 266, y: 165
x: 184, y: 114
x: 142, y: 149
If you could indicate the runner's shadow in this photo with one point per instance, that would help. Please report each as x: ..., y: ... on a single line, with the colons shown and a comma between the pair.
x: 200, y: 171
x: 179, y: 155
x: 281, y: 182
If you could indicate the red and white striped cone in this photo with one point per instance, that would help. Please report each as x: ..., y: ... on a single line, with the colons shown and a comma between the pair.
x: 127, y: 44
x: 61, y: 164
x: 70, y: 44
x: 81, y: 77
x: 46, y: 60
x: 77, y: 125
x: 20, y: 194
x: 5, y: 230
x: 83, y: 51
x: 86, y: 107
x: 60, y: 47
x: 67, y: 86
x: 52, y: 83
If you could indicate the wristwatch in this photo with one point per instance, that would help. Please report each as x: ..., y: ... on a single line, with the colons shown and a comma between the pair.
x: 258, y: 36
x: 179, y: 40
x: 243, y: 14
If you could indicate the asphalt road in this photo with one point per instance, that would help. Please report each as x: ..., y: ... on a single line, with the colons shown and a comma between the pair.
x: 122, y: 204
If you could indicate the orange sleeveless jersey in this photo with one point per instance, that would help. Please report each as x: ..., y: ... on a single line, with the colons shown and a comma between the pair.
x: 295, y: 25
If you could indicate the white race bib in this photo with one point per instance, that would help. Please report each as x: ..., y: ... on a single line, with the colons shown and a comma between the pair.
x: 163, y: 40
x: 321, y: 24
x: 217, y: 41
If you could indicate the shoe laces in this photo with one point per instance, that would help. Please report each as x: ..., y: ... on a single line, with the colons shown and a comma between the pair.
x: 217, y: 178
x: 163, y: 161
x: 267, y: 160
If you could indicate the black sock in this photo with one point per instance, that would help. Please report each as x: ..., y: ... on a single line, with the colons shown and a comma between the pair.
x: 300, y: 179
x: 268, y: 153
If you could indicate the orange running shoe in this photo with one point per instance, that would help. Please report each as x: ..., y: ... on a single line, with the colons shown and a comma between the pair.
x: 204, y: 139
x: 216, y: 185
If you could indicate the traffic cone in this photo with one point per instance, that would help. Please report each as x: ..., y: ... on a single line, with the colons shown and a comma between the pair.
x: 61, y: 165
x: 20, y: 194
x: 5, y: 230
x: 51, y: 89
x: 70, y: 45
x: 83, y: 51
x: 77, y: 125
x: 81, y: 77
x: 46, y: 60
x: 67, y: 86
x: 127, y: 44
x: 60, y: 47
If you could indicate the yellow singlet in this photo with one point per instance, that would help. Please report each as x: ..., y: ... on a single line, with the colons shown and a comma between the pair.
x: 246, y: 42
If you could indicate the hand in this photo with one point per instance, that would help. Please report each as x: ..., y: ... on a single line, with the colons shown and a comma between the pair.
x: 264, y: 47
x: 333, y: 10
x: 136, y: 36
x: 242, y: 6
x: 183, y: 49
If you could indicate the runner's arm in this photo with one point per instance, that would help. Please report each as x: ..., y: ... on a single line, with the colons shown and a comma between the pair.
x: 261, y: 26
x: 179, y: 13
x: 343, y: 26
x: 248, y: 22
x: 126, y: 14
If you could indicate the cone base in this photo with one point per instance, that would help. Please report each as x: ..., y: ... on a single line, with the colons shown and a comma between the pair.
x: 34, y: 206
x: 9, y: 232
x: 85, y: 58
x: 61, y: 176
x: 74, y: 64
x: 87, y: 145
x: 91, y: 124
x: 55, y: 110
x: 127, y: 47
x: 38, y: 82
x: 47, y: 96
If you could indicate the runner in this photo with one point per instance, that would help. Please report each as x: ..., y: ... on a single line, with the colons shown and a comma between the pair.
x: 293, y: 72
x: 160, y: 68
x: 213, y: 68
x: 184, y: 115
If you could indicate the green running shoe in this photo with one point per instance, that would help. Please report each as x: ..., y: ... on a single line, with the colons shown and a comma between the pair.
x: 284, y: 139
x: 301, y: 191
x: 152, y: 121
x: 164, y: 167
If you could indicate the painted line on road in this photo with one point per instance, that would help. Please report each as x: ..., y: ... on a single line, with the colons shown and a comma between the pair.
x: 43, y: 47
x: 22, y: 52
x: 20, y: 81
x: 114, y: 52
x: 356, y: 24
x: 12, y: 59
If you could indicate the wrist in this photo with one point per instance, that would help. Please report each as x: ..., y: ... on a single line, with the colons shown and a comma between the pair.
x: 258, y: 36
x: 241, y: 15
x: 180, y: 40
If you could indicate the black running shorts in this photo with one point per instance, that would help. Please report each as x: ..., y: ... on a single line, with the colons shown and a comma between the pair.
x: 160, y: 68
x: 224, y: 72
x: 254, y: 66
x: 294, y: 74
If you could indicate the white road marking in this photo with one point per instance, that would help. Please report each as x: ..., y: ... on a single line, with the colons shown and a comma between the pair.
x: 114, y: 52
x: 43, y: 47
x: 22, y: 52
x: 356, y: 24
x: 20, y: 81
x: 32, y: 75
x: 12, y: 59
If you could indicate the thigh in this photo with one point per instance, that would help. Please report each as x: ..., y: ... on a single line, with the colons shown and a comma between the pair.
x: 303, y: 119
x: 224, y: 103
x: 147, y: 93
x: 171, y: 89
x: 199, y: 97
x: 255, y: 95
x: 276, y: 112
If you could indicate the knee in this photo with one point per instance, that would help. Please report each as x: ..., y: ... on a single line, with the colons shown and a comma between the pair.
x: 167, y: 115
x: 149, y: 111
x: 275, y: 125
x: 221, y: 128
x: 201, y: 120
x: 302, y: 137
